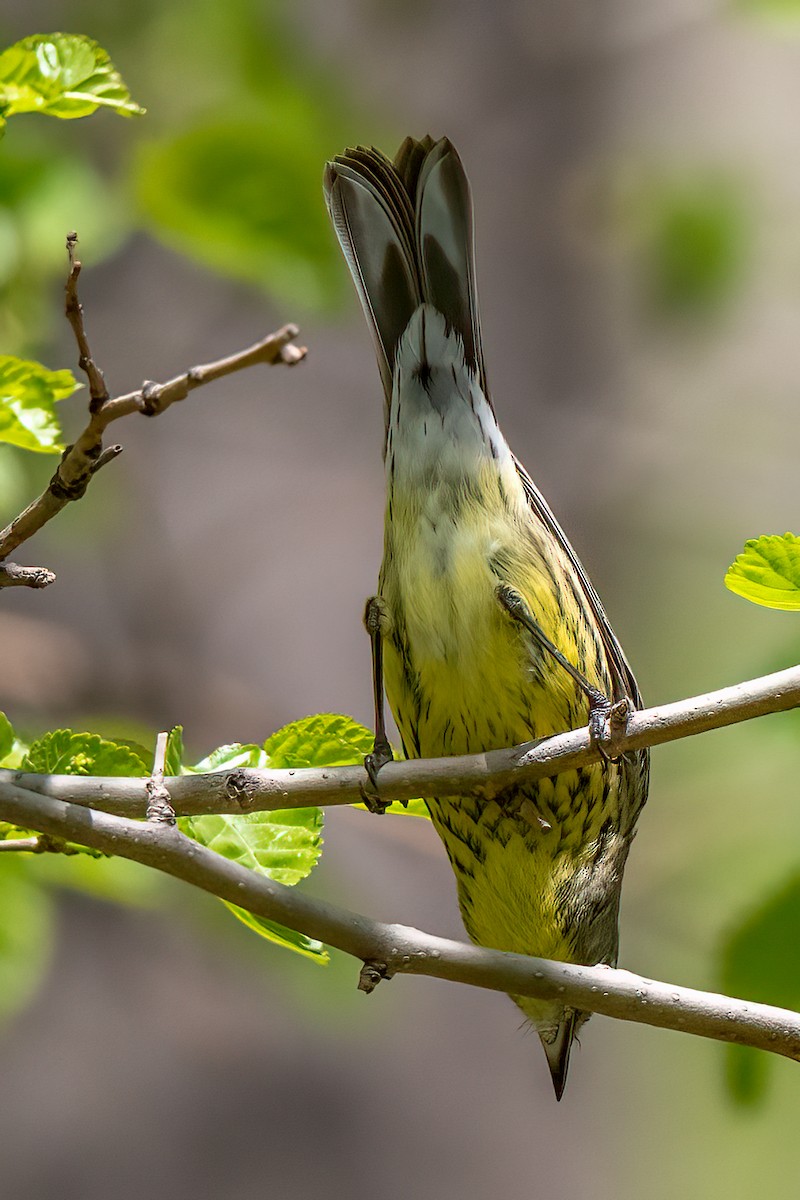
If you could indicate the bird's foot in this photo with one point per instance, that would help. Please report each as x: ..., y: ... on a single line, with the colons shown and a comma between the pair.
x: 380, y: 755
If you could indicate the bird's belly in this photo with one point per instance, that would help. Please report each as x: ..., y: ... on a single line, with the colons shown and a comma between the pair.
x: 461, y: 676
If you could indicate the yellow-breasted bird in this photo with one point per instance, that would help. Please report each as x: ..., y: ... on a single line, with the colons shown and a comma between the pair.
x: 485, y: 625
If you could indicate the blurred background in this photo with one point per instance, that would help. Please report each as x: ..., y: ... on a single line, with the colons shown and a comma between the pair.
x: 636, y: 171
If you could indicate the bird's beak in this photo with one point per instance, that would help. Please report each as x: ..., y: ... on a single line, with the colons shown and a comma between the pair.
x: 558, y: 1049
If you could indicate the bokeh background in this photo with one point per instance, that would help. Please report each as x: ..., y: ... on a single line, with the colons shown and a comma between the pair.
x: 636, y: 169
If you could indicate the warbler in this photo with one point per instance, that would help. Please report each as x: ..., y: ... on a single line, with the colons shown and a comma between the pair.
x: 485, y: 626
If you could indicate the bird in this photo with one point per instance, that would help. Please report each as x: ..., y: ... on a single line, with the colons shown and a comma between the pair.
x: 486, y: 630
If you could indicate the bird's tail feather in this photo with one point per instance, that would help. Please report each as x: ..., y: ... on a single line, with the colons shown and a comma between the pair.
x: 406, y: 231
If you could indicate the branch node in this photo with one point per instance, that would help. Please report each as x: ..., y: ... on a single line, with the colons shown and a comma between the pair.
x: 69, y: 491
x: 371, y: 974
x: 241, y: 789
x: 291, y: 355
x: 150, y: 395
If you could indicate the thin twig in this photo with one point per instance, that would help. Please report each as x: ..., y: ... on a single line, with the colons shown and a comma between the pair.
x: 14, y: 575
x: 31, y: 844
x: 41, y: 844
x: 399, y: 949
x: 159, y: 807
x: 98, y: 391
x: 485, y: 774
x: 86, y: 456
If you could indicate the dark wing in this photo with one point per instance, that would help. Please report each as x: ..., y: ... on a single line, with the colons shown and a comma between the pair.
x: 406, y: 231
x: 622, y: 677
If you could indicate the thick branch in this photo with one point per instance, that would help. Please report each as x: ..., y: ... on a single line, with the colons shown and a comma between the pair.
x: 398, y: 949
x: 484, y: 774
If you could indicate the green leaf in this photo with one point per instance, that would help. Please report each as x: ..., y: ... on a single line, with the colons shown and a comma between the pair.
x: 323, y: 740
x: 242, y: 197
x: 330, y: 740
x: 280, y: 935
x: 6, y: 737
x: 64, y: 752
x: 13, y: 831
x: 759, y: 962
x: 62, y: 74
x: 12, y: 750
x: 25, y: 937
x: 28, y: 393
x: 767, y: 572
x: 414, y: 808
x: 174, y: 760
x: 283, y: 845
x: 229, y: 758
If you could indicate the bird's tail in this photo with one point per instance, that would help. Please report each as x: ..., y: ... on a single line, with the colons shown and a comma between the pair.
x: 406, y: 231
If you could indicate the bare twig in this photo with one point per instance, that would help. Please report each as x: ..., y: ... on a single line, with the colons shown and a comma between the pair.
x: 31, y: 844
x: 14, y: 575
x: 398, y: 949
x: 159, y: 807
x: 41, y: 844
x: 484, y: 774
x: 98, y: 392
x: 86, y: 456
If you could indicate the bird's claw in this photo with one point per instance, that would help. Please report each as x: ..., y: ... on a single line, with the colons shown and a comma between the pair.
x: 607, y: 722
x: 381, y: 755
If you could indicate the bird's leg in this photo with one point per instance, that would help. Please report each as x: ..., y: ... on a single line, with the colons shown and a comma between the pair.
x: 601, y: 709
x: 381, y: 750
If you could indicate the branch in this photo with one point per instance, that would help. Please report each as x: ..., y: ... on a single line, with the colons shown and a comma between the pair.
x: 73, y: 309
x: 83, y: 459
x: 397, y: 949
x: 484, y: 774
x: 14, y: 575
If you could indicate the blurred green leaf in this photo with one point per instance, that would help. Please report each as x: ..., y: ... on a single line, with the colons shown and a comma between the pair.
x: 696, y: 248
x: 62, y: 74
x: 28, y: 394
x: 12, y: 750
x: 6, y: 737
x: 13, y: 831
x: 64, y: 752
x: 767, y: 572
x: 781, y: 10
x: 174, y: 760
x: 760, y: 962
x: 243, y: 197
x: 25, y: 937
x: 46, y: 189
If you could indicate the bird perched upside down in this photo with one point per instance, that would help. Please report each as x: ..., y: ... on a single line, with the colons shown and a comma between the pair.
x: 485, y: 624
